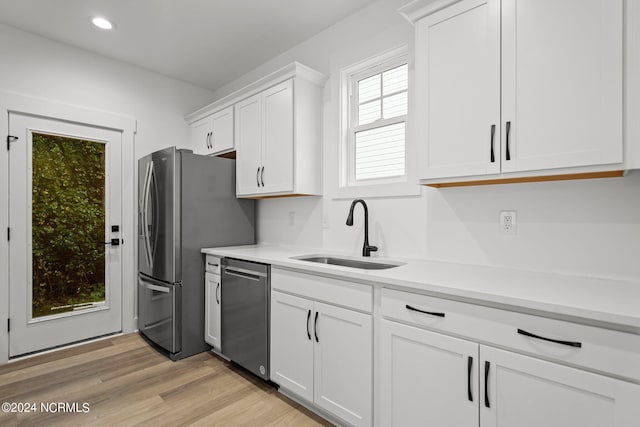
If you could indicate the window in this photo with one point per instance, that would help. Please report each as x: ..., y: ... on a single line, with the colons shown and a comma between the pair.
x: 376, y: 143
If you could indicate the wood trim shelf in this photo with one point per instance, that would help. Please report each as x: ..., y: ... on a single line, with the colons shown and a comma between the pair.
x: 562, y: 177
x: 279, y: 196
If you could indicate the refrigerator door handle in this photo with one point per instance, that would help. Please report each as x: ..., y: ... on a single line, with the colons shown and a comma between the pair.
x: 153, y: 185
x: 145, y: 213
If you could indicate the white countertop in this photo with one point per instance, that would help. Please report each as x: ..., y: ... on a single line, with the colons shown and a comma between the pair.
x: 598, y: 301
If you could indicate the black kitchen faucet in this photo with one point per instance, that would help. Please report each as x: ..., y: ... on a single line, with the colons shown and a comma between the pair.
x: 366, y: 248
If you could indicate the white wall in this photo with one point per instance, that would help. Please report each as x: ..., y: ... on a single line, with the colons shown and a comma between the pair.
x: 39, y: 68
x: 589, y: 227
x: 36, y: 66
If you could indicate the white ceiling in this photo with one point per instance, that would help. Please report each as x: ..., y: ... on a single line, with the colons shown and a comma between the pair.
x: 205, y: 42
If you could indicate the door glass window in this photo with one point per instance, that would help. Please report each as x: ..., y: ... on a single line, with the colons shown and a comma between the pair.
x: 68, y: 224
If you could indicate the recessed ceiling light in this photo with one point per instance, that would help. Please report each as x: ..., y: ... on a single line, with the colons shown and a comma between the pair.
x: 102, y: 23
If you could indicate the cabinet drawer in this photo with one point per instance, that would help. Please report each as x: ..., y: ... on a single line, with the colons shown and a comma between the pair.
x: 212, y: 264
x: 603, y: 350
x: 338, y: 292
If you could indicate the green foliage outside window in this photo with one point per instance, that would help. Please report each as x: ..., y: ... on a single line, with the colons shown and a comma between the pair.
x: 68, y: 223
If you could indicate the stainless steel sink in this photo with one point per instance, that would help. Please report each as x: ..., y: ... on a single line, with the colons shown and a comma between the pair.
x: 348, y: 262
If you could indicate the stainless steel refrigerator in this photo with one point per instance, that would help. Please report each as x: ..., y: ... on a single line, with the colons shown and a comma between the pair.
x: 185, y: 202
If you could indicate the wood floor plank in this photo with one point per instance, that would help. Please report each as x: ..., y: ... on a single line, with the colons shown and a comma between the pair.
x: 126, y: 382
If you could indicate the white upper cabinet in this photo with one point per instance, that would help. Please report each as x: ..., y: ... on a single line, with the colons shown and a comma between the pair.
x: 460, y: 50
x: 275, y: 127
x: 201, y: 135
x: 213, y: 134
x: 249, y: 137
x: 561, y: 83
x: 222, y: 131
x: 278, y: 140
x: 277, y: 144
x: 517, y: 88
x: 265, y: 142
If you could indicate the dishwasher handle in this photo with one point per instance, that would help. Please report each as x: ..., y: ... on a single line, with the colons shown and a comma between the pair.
x: 244, y: 274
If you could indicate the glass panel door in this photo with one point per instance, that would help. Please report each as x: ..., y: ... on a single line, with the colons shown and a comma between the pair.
x: 65, y: 193
x: 68, y: 217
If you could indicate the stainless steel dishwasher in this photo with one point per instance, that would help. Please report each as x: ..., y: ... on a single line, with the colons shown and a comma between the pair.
x: 245, y: 301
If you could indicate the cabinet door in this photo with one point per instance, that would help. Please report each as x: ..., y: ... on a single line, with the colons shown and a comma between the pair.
x: 248, y: 144
x: 458, y: 90
x: 291, y: 344
x: 222, y: 131
x: 562, y: 83
x: 528, y: 392
x: 201, y: 136
x: 277, y: 149
x: 212, y: 310
x: 427, y: 378
x: 343, y: 363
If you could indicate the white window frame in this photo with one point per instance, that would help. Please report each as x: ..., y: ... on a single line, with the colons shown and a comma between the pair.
x: 348, y: 187
x: 354, y: 104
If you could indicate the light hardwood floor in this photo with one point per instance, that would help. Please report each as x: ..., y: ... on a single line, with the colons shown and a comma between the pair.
x: 126, y: 382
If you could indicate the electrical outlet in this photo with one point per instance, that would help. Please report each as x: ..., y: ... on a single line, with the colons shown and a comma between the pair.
x: 508, y: 223
x: 292, y: 218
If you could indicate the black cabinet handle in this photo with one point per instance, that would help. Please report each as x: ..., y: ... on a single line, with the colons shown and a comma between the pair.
x: 217, y: 288
x: 569, y: 343
x: 508, y: 155
x: 315, y: 327
x: 308, y: 318
x: 487, y: 365
x: 469, y: 366
x: 257, y: 173
x: 430, y: 313
x: 493, y: 135
x: 262, y: 176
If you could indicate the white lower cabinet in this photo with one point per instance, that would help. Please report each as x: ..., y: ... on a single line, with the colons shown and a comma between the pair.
x: 323, y: 354
x: 292, y: 344
x: 432, y: 378
x: 426, y: 378
x: 212, y: 322
x: 527, y: 392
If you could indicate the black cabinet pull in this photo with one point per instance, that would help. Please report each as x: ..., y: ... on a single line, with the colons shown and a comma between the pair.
x: 493, y: 135
x: 487, y: 365
x: 217, y: 288
x: 308, y: 318
x: 469, y: 366
x: 430, y: 313
x: 262, y: 176
x: 257, y: 174
x: 508, y: 155
x: 315, y: 327
x: 569, y: 343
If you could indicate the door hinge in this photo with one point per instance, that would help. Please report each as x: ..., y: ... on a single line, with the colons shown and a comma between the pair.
x: 8, y: 325
x: 8, y: 233
x: 10, y: 139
